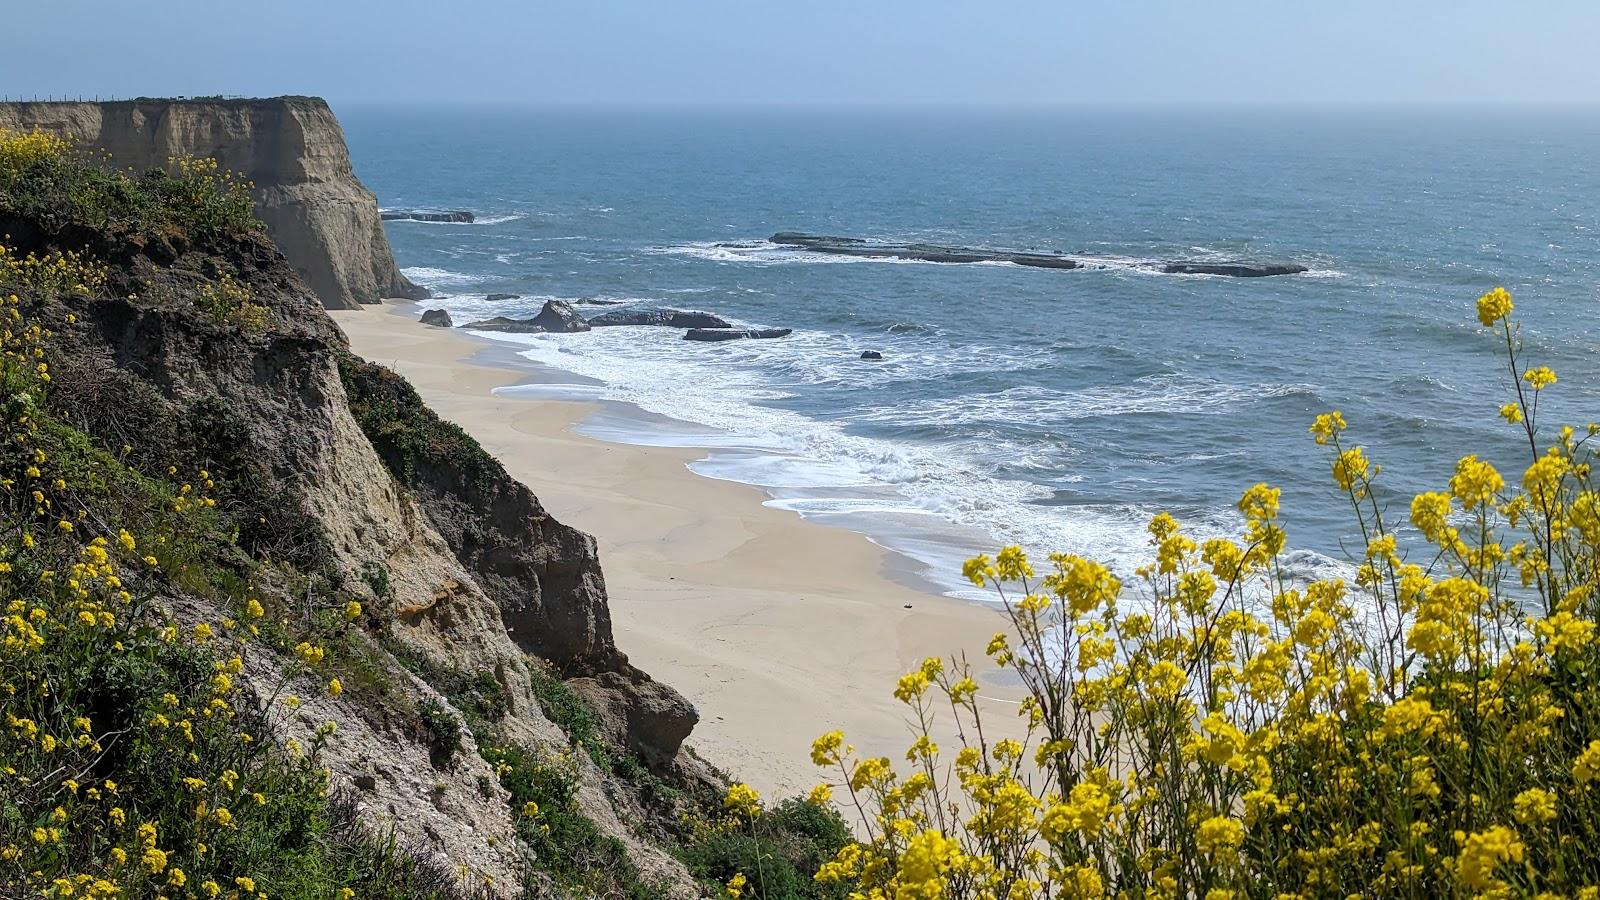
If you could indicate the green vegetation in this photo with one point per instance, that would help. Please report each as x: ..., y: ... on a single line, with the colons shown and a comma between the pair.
x: 566, y: 844
x: 226, y: 300
x: 777, y: 852
x: 43, y: 181
x: 564, y: 707
x: 780, y: 849
x: 442, y: 730
x: 403, y: 430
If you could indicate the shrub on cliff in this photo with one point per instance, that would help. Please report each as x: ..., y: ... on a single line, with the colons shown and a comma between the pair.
x: 1430, y: 728
x: 767, y: 854
x: 43, y: 180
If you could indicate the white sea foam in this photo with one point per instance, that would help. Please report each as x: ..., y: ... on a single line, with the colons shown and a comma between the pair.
x: 1169, y: 393
x: 934, y: 502
x: 431, y: 277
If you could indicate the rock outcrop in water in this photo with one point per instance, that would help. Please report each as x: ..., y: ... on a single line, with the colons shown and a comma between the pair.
x: 1231, y: 270
x: 506, y: 324
x: 845, y: 246
x: 865, y: 249
x: 734, y: 334
x: 666, y: 318
x: 320, y: 216
x: 438, y: 318
x: 557, y: 317
x: 422, y: 215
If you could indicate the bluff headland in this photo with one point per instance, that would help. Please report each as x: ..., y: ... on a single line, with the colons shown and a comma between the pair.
x: 345, y: 543
x: 316, y: 211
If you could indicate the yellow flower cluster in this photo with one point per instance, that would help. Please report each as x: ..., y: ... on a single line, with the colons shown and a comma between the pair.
x: 21, y: 149
x: 53, y: 274
x: 743, y: 800
x: 226, y: 299
x: 1431, y: 729
x: 126, y: 767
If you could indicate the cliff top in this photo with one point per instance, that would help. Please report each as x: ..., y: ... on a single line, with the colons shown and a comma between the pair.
x: 213, y: 100
x: 293, y: 150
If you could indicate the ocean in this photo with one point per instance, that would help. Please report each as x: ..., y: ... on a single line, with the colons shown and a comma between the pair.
x: 1056, y: 409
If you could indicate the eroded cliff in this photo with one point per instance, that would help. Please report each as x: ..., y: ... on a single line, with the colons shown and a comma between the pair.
x: 484, y: 716
x: 318, y: 213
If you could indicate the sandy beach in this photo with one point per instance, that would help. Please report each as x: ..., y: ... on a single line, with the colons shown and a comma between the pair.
x: 778, y: 629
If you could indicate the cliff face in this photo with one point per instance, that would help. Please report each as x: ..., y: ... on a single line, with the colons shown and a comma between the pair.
x: 320, y: 216
x: 334, y: 483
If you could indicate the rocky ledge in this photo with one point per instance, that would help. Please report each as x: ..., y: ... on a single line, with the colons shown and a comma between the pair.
x: 733, y: 334
x: 666, y: 318
x: 427, y: 215
x: 866, y: 249
x: 557, y: 317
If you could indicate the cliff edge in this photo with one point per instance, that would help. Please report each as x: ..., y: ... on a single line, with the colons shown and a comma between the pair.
x: 318, y: 214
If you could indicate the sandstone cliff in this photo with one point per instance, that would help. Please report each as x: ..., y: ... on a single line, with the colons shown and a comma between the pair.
x: 484, y: 620
x: 320, y: 216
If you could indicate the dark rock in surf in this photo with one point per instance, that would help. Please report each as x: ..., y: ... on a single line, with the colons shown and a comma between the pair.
x: 492, y: 298
x: 438, y: 318
x: 733, y: 334
x: 421, y: 215
x: 501, y: 323
x: 843, y: 246
x: 669, y: 318
x: 558, y: 317
x: 871, y: 354
x: 1231, y: 270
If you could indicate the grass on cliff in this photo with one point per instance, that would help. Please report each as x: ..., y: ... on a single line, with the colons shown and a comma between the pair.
x: 404, y: 432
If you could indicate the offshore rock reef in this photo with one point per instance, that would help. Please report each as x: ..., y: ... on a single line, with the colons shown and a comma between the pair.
x: 292, y: 148
x: 860, y: 247
x: 458, y: 216
x: 560, y: 317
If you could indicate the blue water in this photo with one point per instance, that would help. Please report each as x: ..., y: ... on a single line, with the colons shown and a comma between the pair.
x: 1058, y: 409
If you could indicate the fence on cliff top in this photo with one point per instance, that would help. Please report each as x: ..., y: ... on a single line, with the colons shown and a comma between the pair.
x: 96, y: 98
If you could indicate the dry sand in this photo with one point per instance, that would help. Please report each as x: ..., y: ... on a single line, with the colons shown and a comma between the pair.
x: 778, y: 629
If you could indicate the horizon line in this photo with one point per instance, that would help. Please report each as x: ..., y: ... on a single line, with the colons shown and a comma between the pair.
x: 881, y: 105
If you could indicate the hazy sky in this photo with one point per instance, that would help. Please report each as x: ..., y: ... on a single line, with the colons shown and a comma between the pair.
x: 811, y: 52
